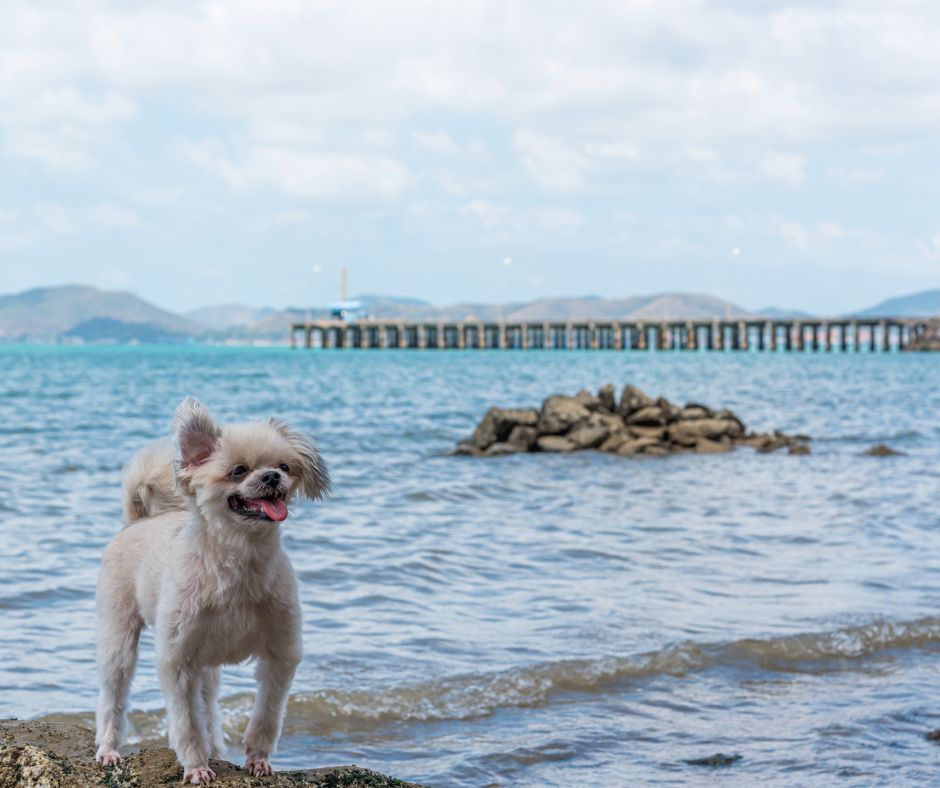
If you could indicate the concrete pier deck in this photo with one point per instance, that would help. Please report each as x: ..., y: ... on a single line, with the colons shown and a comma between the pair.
x: 837, y: 334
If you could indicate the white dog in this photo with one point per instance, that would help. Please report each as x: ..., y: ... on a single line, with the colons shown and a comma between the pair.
x: 200, y: 560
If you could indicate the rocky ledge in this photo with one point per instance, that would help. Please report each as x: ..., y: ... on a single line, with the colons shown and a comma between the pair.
x: 36, y: 754
x: 636, y: 424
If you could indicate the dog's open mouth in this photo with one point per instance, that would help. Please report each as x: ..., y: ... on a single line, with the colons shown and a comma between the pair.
x: 260, y: 508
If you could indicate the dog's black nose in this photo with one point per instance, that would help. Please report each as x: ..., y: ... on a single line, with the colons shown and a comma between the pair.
x: 272, y: 478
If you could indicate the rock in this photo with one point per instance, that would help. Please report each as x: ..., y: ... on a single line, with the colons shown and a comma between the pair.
x: 726, y: 415
x: 497, y: 423
x: 656, y: 433
x: 555, y: 443
x: 681, y: 436
x: 589, y: 401
x: 37, y: 754
x: 764, y: 443
x: 650, y: 416
x: 632, y: 399
x: 487, y: 431
x: 597, y: 430
x: 609, y: 421
x: 559, y: 413
x: 706, y: 446
x: 880, y: 450
x: 501, y: 448
x: 468, y: 448
x: 670, y: 412
x: 638, y: 425
x: 587, y: 436
x: 630, y: 447
x: 687, y: 433
x: 718, y: 759
x: 636, y: 445
x: 606, y: 396
x: 523, y: 436
x: 613, y: 442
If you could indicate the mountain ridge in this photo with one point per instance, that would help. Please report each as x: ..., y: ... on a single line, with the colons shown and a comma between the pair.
x: 84, y: 312
x: 48, y: 312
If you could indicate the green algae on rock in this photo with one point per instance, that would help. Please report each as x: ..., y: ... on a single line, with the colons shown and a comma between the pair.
x: 36, y: 754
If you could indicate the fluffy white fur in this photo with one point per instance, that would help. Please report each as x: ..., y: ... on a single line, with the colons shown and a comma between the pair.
x: 201, y: 561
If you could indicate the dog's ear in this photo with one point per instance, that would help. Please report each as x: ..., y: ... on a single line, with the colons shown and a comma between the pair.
x: 196, y: 435
x: 314, y: 477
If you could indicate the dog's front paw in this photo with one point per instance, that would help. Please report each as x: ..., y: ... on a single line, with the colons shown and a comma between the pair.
x: 258, y: 766
x: 200, y: 775
x: 107, y: 756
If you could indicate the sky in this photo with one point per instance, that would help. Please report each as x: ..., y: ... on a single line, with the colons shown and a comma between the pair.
x: 772, y: 153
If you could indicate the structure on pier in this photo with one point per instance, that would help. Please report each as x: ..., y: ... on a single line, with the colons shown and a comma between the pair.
x: 844, y: 334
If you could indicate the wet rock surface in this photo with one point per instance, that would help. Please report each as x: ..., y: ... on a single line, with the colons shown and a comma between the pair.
x: 880, y: 450
x: 35, y: 754
x: 634, y: 425
x: 718, y: 759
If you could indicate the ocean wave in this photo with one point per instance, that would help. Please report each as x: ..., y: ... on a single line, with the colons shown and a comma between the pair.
x: 475, y: 695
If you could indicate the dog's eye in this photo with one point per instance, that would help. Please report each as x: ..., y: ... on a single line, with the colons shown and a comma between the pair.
x: 284, y: 467
x: 238, y: 471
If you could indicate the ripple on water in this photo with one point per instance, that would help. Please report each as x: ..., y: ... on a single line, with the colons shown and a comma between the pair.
x: 536, y: 620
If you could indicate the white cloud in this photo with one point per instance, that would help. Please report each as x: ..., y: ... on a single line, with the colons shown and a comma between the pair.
x: 854, y: 176
x: 706, y: 162
x: 931, y: 248
x: 553, y: 218
x: 301, y: 173
x: 559, y: 167
x: 113, y: 215
x: 613, y: 150
x: 62, y: 129
x: 489, y: 215
x: 510, y: 117
x: 554, y: 165
x: 438, y: 143
x: 43, y: 220
x: 13, y: 233
x: 786, y: 168
x: 819, y: 236
x: 541, y: 220
x: 54, y: 218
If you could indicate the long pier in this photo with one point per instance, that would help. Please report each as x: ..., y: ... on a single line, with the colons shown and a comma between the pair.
x: 842, y: 334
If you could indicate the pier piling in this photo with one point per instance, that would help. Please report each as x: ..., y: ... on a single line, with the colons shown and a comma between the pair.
x: 848, y: 335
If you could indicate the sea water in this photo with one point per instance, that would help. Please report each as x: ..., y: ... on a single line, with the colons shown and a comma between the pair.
x: 527, y: 620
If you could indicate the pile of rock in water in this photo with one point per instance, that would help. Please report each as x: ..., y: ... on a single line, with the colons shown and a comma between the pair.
x: 635, y: 425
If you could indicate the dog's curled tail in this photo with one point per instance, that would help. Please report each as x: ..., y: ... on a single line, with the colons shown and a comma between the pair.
x: 149, y: 483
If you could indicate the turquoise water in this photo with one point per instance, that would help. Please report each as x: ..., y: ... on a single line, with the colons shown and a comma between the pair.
x: 526, y: 620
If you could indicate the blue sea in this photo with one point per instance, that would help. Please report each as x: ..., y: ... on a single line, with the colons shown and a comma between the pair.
x: 533, y: 619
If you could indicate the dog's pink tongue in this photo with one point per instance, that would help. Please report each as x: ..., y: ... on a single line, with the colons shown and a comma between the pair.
x: 274, y: 508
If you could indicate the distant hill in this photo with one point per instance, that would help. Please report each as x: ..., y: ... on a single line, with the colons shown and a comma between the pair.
x: 86, y: 313
x: 923, y: 304
x: 652, y: 307
x: 775, y: 311
x: 222, y: 316
x: 276, y: 324
x: 45, y: 313
x: 107, y: 329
